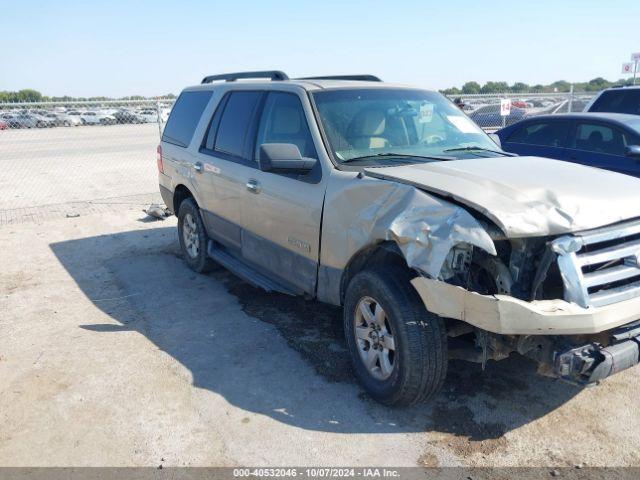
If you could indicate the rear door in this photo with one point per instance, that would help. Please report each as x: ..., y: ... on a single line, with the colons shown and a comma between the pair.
x: 602, y: 145
x: 542, y: 138
x: 225, y: 161
x: 283, y: 211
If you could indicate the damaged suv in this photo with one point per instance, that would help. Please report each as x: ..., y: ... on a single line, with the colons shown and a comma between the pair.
x: 390, y: 202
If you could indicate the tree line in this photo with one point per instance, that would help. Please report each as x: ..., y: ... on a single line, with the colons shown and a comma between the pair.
x: 30, y: 95
x: 594, y: 85
x: 469, y: 88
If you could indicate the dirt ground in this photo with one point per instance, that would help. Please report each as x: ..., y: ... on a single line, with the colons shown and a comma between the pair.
x: 112, y: 352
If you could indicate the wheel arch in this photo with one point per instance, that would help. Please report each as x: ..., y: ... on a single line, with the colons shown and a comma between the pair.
x: 373, y: 255
x: 180, y: 194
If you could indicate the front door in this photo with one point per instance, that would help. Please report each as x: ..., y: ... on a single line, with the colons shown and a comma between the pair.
x: 541, y: 138
x: 603, y: 146
x: 282, y: 214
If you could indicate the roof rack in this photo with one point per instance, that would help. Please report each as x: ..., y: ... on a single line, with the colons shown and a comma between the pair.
x: 362, y: 78
x: 232, y: 77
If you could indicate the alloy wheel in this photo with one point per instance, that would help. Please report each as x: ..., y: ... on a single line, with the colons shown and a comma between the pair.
x: 190, y: 236
x: 374, y: 338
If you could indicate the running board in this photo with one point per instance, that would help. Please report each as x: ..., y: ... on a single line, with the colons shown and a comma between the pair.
x: 244, y: 271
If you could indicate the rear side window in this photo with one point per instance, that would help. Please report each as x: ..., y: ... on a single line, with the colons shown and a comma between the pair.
x: 600, y: 139
x: 618, y: 101
x: 184, y: 117
x: 235, y: 122
x: 546, y: 134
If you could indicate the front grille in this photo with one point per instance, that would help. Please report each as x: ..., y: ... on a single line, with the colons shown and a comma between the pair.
x: 602, y: 266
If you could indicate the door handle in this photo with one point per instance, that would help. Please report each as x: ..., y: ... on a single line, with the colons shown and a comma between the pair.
x: 198, y: 167
x: 253, y: 186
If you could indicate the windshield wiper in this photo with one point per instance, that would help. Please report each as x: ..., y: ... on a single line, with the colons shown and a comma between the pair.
x: 425, y: 157
x: 472, y: 148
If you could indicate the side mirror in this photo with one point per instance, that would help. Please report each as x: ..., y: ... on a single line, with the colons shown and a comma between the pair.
x: 633, y: 151
x: 496, y: 139
x: 284, y: 157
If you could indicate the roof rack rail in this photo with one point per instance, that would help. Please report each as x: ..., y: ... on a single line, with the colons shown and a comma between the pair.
x: 232, y: 77
x: 362, y: 78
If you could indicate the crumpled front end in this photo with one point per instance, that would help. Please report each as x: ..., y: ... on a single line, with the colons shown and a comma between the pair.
x: 553, y: 297
x: 361, y: 211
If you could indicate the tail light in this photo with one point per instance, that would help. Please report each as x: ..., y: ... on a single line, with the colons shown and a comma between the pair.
x: 159, y: 159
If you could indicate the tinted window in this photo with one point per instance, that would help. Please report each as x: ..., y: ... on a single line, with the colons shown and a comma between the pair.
x: 235, y: 121
x: 548, y: 134
x: 600, y: 138
x: 185, y: 117
x: 283, y: 121
x: 618, y: 101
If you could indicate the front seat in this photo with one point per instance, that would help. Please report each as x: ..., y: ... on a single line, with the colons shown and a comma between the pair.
x: 367, y: 129
x: 595, y: 141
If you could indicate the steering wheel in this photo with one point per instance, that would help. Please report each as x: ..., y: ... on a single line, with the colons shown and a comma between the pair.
x: 435, y: 138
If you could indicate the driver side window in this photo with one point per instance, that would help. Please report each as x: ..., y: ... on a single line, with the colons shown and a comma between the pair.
x: 283, y: 121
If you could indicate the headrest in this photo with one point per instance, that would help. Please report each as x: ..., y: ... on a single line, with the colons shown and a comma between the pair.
x: 368, y: 123
x: 596, y: 136
x: 286, y: 120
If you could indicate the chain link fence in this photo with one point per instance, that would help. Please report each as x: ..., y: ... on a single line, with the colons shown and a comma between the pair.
x: 65, y: 158
x: 484, y: 109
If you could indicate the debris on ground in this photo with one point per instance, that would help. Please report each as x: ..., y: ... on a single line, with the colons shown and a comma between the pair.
x: 157, y: 211
x: 73, y: 215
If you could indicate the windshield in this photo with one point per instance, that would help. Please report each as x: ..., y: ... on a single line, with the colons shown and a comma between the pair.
x: 634, y: 124
x: 363, y: 123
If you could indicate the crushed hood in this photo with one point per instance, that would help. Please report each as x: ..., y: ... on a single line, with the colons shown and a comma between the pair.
x: 527, y: 196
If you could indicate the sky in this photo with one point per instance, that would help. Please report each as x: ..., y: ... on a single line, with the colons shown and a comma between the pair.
x: 140, y: 47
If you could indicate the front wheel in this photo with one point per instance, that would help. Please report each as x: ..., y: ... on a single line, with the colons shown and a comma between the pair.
x: 193, y: 237
x: 398, y: 349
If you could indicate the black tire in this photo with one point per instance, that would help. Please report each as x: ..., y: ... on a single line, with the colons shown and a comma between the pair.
x: 420, y: 342
x: 190, y: 212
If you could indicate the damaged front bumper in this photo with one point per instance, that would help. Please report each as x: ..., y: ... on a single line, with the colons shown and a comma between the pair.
x: 592, y: 362
x: 507, y: 315
x: 566, y: 331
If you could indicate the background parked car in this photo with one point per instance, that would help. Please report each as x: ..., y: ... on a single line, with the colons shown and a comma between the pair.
x: 604, y: 140
x: 617, y: 100
x: 62, y: 119
x: 43, y: 121
x: 3, y: 125
x: 97, y: 118
x: 75, y: 116
x: 128, y: 116
x: 20, y: 120
x: 489, y: 116
x: 69, y: 120
x: 149, y: 116
x: 565, y: 106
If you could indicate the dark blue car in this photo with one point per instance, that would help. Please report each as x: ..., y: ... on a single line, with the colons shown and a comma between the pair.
x: 604, y: 140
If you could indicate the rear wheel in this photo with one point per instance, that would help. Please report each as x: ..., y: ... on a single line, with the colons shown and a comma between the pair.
x: 193, y: 237
x: 398, y: 349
